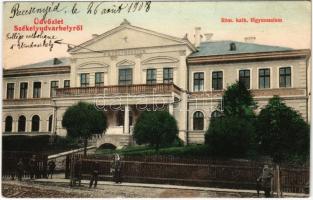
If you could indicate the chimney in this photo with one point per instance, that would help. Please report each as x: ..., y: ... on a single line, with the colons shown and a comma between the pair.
x: 208, y: 36
x: 56, y: 61
x: 250, y: 39
x: 197, y: 36
x: 94, y: 35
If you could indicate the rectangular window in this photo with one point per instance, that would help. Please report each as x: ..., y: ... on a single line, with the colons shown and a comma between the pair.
x: 66, y: 83
x: 125, y: 77
x: 264, y: 78
x: 198, y: 81
x: 244, y: 77
x: 151, y: 76
x: 99, y: 79
x: 84, y: 80
x: 217, y: 80
x: 23, y: 90
x: 54, y: 85
x: 285, y: 77
x: 168, y: 75
x: 37, y: 90
x: 10, y: 91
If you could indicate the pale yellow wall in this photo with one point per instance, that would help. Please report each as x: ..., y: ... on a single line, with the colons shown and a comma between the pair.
x: 231, y: 73
x: 45, y: 84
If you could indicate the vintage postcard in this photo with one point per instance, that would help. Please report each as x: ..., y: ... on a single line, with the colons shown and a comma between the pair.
x: 107, y: 99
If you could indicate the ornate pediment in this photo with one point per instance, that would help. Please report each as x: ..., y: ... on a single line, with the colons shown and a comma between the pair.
x: 88, y: 65
x: 159, y: 60
x: 125, y: 63
x: 127, y: 36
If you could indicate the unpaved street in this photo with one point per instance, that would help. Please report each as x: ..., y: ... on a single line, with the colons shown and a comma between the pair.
x: 46, y: 190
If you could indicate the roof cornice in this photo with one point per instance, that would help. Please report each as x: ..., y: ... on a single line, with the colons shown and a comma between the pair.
x: 36, y: 71
x: 244, y: 57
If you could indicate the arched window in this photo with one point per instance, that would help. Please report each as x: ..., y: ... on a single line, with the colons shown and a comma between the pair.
x: 21, y: 123
x: 8, y: 124
x: 50, y: 123
x: 216, y: 114
x: 198, y: 121
x: 35, y: 123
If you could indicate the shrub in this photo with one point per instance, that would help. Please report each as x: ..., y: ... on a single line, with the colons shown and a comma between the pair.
x: 238, y: 101
x: 230, y: 136
x: 157, y: 128
x: 282, y: 132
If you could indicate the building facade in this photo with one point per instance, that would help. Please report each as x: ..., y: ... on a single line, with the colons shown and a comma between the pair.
x: 129, y: 69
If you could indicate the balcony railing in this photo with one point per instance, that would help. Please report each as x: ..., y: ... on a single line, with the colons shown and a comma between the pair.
x: 14, y: 102
x: 118, y: 90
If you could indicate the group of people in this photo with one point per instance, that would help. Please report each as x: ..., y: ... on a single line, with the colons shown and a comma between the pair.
x: 33, y: 168
x: 115, y: 169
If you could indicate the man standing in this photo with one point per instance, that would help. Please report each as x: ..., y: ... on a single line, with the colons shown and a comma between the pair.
x: 20, y: 169
x: 265, y: 180
x: 32, y: 166
x: 94, y: 175
x: 116, y: 165
x: 51, y: 167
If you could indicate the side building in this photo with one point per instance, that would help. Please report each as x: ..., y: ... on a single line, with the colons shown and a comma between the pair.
x: 129, y: 69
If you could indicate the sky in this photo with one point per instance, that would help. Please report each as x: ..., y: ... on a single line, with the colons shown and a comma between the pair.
x: 172, y: 18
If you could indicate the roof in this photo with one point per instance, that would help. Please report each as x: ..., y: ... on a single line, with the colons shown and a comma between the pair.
x: 55, y: 62
x: 214, y: 48
x: 126, y: 25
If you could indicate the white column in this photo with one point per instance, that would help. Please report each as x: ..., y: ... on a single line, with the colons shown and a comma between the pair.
x: 14, y: 125
x: 106, y: 81
x: 137, y: 70
x: 92, y: 78
x: 126, y: 119
x: 28, y: 125
x: 73, y: 82
x: 182, y: 70
x: 113, y: 72
x: 171, y: 108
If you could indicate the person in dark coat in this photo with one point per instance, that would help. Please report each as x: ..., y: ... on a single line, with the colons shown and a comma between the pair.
x: 116, y: 168
x: 265, y: 180
x: 20, y: 169
x: 51, y: 167
x: 32, y: 166
x: 77, y: 173
x: 94, y: 175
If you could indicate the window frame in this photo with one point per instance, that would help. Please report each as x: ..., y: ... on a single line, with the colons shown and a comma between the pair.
x: 196, y: 120
x: 37, y: 92
x: 10, y: 91
x: 168, y: 74
x: 19, y: 124
x: 7, y: 125
x: 65, y: 85
x: 151, y: 79
x: 198, y: 87
x: 219, y: 80
x: 101, y: 83
x: 264, y: 78
x: 23, y: 91
x: 33, y: 125
x: 125, y: 80
x: 245, y: 77
x: 285, y: 77
x: 86, y: 79
x: 53, y: 88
